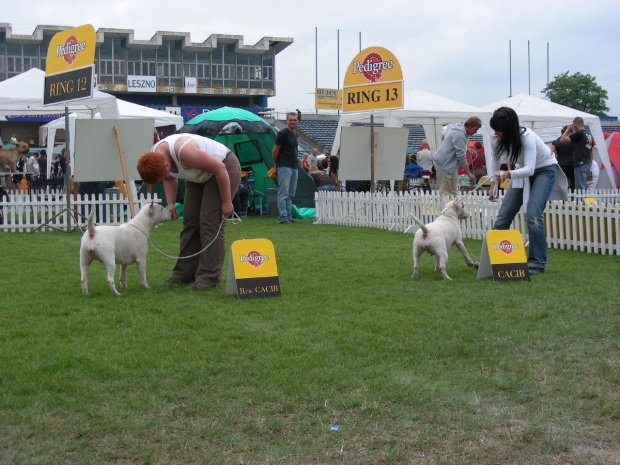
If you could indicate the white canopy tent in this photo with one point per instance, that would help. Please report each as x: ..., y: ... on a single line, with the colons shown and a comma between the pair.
x: 162, y: 118
x: 538, y: 114
x: 127, y: 110
x: 23, y: 95
x: 430, y: 111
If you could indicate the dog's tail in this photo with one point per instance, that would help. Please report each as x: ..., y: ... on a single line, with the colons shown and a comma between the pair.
x: 419, y: 221
x: 91, y: 224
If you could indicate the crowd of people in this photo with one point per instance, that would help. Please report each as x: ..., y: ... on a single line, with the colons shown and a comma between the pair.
x: 32, y: 168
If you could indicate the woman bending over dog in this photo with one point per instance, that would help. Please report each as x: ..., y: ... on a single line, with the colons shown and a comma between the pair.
x: 212, y: 175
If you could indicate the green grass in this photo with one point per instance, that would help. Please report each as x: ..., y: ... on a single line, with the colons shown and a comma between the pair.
x: 413, y: 371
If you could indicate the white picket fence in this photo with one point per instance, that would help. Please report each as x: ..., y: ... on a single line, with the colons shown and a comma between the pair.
x: 46, y: 211
x: 570, y: 225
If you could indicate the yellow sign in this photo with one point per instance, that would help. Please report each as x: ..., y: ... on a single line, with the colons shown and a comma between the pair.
x: 503, y: 257
x: 374, y: 80
x: 70, y: 65
x: 372, y: 66
x: 71, y: 49
x: 328, y: 99
x: 252, y: 269
x: 373, y: 97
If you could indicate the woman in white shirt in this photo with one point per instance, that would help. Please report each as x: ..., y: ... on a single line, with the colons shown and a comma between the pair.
x: 531, y: 182
x: 212, y: 175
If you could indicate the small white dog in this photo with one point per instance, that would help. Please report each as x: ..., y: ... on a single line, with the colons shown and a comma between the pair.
x: 124, y: 245
x: 438, y: 237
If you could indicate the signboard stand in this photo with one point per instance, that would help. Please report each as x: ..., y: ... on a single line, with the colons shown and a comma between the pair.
x: 374, y: 80
x: 252, y: 269
x: 69, y: 76
x: 71, y: 214
x: 503, y: 257
x: 373, y: 152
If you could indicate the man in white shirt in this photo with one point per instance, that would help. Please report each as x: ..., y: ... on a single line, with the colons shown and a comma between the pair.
x: 312, y: 161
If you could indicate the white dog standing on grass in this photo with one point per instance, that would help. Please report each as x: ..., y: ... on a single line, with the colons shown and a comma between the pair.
x: 438, y: 237
x: 124, y: 245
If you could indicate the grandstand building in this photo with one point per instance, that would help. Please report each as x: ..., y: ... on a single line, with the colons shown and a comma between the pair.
x: 167, y: 72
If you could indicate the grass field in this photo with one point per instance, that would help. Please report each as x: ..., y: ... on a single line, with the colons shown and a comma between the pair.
x: 412, y: 371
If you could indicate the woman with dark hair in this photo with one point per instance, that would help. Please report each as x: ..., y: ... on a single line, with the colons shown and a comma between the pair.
x: 531, y: 182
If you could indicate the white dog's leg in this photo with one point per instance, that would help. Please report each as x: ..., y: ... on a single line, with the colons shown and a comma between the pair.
x: 463, y: 250
x: 416, y: 261
x: 85, y: 262
x: 110, y: 268
x: 123, y: 277
x: 141, y: 264
x: 440, y: 265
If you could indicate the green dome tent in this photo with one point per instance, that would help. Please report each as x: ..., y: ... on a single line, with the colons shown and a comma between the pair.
x: 251, y: 138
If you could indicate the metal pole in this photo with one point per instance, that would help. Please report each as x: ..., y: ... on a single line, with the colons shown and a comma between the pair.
x: 372, y: 155
x: 529, y: 86
x: 68, y: 169
x: 547, y: 64
x: 338, y: 58
x: 360, y: 41
x: 316, y: 62
x: 510, y: 66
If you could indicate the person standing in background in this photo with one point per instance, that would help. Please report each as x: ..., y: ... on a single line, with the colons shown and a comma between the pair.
x: 576, y: 134
x: 563, y: 151
x: 424, y: 157
x: 285, y: 160
x: 452, y: 154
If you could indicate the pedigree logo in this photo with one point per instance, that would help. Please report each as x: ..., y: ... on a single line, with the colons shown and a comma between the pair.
x: 254, y: 258
x: 506, y: 246
x: 70, y: 49
x: 372, y: 67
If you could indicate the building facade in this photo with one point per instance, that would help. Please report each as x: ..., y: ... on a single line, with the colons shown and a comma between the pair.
x: 167, y: 72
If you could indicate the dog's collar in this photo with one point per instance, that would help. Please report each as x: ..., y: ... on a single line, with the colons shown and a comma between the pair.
x: 134, y: 226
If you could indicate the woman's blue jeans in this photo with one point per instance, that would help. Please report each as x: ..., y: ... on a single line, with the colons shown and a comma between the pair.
x: 542, y: 183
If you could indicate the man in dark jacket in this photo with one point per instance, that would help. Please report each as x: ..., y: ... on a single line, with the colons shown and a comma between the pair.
x: 576, y: 134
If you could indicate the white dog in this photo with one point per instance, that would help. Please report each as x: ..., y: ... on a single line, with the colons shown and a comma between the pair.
x: 124, y: 245
x: 438, y: 237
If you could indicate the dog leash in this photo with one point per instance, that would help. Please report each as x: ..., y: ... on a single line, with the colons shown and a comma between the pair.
x: 480, y: 185
x: 234, y: 220
x: 494, y: 194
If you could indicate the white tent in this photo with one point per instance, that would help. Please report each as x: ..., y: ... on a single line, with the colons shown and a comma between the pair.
x: 537, y: 114
x: 126, y: 109
x: 162, y: 118
x: 23, y: 95
x: 430, y: 111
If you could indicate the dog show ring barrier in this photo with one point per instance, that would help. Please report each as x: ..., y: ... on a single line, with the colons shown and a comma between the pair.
x: 570, y: 225
x: 25, y: 212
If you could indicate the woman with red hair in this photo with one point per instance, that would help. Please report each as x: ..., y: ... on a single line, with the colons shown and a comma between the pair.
x: 212, y: 175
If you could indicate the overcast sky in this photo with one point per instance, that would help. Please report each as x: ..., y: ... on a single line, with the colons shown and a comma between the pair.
x: 456, y: 49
